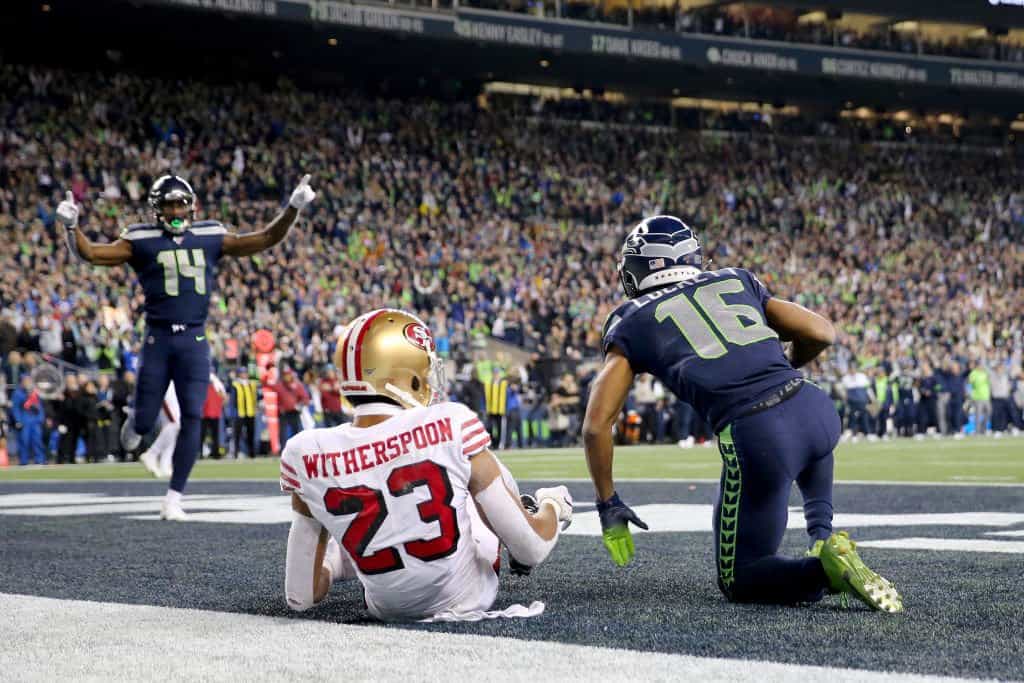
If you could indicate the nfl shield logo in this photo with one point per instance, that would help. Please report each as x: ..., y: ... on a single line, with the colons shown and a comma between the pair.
x: 656, y: 263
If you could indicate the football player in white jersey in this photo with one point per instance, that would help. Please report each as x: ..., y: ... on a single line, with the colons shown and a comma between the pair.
x: 408, y: 498
x: 160, y: 453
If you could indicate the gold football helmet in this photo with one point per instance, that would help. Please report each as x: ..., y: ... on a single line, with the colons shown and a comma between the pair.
x: 390, y: 353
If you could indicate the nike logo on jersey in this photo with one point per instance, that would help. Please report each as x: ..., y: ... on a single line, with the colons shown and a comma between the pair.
x: 201, y: 337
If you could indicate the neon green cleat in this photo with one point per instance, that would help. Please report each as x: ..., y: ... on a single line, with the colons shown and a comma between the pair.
x: 847, y: 573
x: 815, y: 551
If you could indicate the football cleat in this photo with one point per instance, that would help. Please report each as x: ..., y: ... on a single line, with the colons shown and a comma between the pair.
x: 518, y: 568
x: 149, y: 459
x: 815, y: 551
x: 847, y: 573
x: 173, y: 512
x: 129, y: 439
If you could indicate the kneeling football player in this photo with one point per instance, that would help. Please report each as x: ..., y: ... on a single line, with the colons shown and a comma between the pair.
x: 714, y: 338
x: 408, y: 498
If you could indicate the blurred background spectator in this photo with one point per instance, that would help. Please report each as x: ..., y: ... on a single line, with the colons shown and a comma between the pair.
x: 499, y: 224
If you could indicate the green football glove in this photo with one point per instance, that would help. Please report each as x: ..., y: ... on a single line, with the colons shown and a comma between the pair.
x: 615, y: 518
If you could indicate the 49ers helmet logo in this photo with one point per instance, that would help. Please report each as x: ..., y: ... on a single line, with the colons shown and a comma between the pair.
x: 419, y: 336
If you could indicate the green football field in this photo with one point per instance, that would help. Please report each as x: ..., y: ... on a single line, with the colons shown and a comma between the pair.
x: 971, y: 460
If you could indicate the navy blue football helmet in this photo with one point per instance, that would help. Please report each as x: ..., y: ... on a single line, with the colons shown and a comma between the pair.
x: 167, y: 191
x: 660, y: 251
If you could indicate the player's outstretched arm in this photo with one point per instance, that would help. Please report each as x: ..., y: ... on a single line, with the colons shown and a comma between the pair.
x: 528, y: 537
x: 254, y: 242
x: 80, y: 246
x: 810, y: 333
x: 307, y: 579
x: 608, y: 395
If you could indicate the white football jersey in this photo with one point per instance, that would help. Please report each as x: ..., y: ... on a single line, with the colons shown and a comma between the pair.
x: 396, y: 497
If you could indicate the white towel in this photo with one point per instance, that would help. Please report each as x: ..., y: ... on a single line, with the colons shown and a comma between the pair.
x: 535, y: 609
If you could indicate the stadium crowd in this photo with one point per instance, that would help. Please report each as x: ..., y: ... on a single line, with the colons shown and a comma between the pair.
x: 496, y: 225
x: 762, y: 23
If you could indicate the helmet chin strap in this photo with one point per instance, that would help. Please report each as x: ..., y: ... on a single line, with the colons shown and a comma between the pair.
x: 403, y: 395
x: 377, y: 409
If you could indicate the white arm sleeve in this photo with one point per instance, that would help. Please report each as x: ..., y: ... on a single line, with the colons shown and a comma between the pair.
x: 298, y: 569
x: 515, y: 532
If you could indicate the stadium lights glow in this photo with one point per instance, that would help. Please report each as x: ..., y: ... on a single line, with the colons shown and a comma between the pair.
x: 818, y: 17
x: 906, y: 26
x: 549, y: 92
x: 729, y: 105
x: 544, y: 63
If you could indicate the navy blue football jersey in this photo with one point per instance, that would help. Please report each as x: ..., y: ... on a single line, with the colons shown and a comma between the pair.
x: 177, y: 273
x: 706, y: 339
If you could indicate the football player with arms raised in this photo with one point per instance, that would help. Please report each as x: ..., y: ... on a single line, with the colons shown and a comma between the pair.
x: 175, y: 258
x: 408, y: 498
x: 714, y: 338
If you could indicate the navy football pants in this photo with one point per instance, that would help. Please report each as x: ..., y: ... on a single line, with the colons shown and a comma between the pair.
x: 183, y: 358
x: 762, y: 455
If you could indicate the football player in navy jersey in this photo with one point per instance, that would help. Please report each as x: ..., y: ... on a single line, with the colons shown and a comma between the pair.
x: 714, y: 338
x: 175, y: 258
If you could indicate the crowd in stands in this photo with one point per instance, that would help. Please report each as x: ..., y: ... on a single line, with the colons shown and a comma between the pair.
x: 494, y: 225
x: 762, y: 23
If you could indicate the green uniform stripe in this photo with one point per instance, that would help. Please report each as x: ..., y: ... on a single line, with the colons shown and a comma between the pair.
x: 728, y: 523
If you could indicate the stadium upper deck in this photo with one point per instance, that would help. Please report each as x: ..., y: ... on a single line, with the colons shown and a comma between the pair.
x: 946, y: 58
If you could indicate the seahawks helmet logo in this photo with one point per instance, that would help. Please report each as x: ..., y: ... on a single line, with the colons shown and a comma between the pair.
x: 661, y: 250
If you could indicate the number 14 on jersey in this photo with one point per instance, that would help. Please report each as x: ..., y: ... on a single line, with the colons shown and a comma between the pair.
x: 179, y: 263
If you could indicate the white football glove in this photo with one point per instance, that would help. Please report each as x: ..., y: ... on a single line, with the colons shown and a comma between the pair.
x: 67, y: 212
x: 559, y: 498
x: 303, y: 194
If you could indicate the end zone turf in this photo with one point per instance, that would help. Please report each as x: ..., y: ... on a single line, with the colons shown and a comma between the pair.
x: 970, y: 461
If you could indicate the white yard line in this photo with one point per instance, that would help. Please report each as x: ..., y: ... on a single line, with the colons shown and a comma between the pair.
x: 968, y: 545
x: 95, y: 641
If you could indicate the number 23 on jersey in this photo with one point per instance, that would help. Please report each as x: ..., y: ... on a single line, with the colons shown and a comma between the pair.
x: 371, y: 509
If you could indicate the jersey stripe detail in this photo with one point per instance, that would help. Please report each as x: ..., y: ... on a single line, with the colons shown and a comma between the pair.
x: 359, y: 345
x: 466, y: 438
x: 292, y: 483
x: 291, y: 470
x: 133, y: 235
x: 480, y: 445
x: 211, y: 230
x: 471, y: 424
